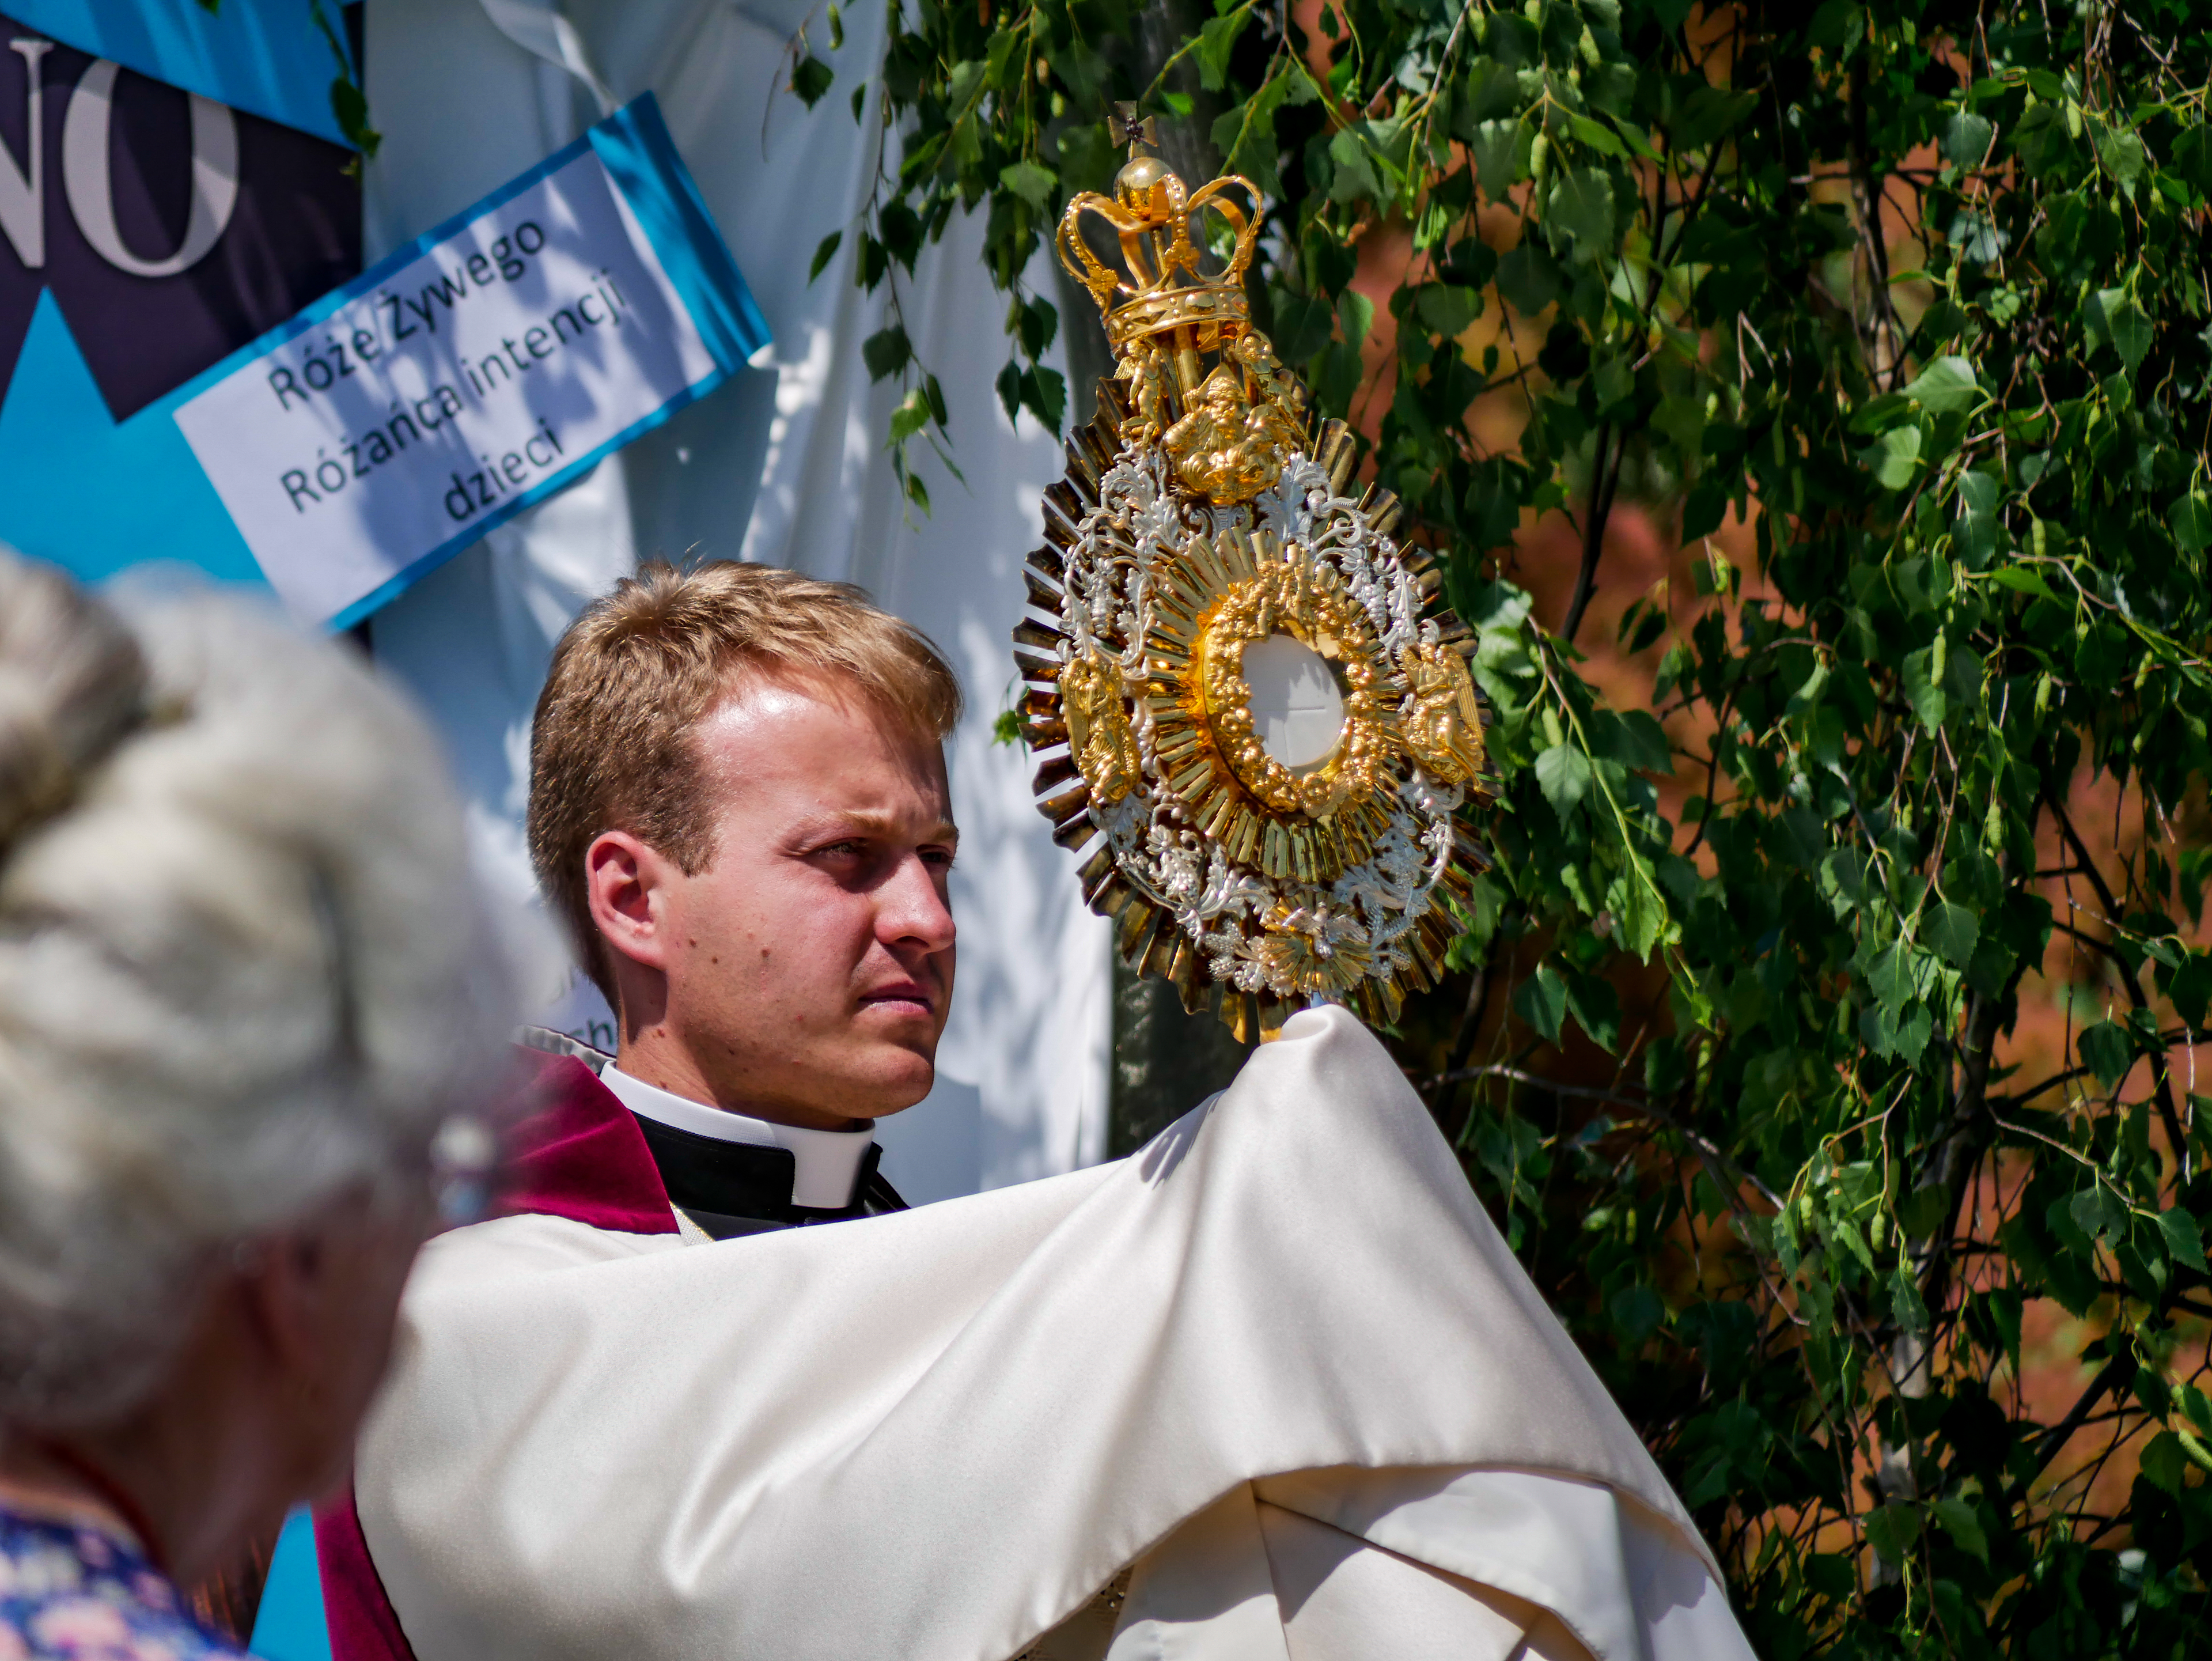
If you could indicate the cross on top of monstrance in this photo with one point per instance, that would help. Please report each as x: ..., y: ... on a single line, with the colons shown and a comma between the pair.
x: 1122, y: 127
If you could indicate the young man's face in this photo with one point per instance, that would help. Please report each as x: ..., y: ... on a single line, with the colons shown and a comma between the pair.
x: 805, y: 974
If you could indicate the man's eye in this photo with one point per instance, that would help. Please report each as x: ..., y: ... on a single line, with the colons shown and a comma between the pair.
x: 844, y: 850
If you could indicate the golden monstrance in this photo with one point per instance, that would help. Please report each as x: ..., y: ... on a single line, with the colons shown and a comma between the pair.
x: 1240, y: 686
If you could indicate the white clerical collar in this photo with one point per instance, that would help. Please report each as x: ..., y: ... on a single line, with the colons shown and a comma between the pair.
x: 829, y: 1161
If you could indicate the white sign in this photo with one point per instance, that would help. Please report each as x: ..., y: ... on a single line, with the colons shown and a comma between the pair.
x: 395, y: 422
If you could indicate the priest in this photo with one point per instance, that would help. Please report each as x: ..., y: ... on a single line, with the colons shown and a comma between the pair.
x: 1272, y: 1387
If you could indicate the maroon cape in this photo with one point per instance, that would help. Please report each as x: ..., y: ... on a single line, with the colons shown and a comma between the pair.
x: 580, y: 1156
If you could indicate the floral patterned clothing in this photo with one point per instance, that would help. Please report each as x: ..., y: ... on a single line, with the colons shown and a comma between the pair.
x: 73, y: 1591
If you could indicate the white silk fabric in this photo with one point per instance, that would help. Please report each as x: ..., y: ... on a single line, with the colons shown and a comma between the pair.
x: 1278, y: 1364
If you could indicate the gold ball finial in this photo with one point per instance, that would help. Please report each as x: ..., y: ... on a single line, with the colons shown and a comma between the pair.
x: 1133, y: 184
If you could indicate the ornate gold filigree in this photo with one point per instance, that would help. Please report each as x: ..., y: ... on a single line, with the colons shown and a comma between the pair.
x: 1145, y: 368
x: 1292, y: 599
x: 1297, y: 950
x: 1444, y: 727
x: 1222, y: 593
x: 1228, y: 448
x: 1098, y: 734
x: 1231, y: 426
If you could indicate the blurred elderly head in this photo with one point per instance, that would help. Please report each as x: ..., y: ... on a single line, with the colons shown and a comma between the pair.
x: 245, y: 991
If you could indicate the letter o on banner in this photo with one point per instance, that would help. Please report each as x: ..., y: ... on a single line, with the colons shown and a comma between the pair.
x: 89, y: 181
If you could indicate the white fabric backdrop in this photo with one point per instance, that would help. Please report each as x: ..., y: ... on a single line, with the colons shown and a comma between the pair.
x: 786, y: 466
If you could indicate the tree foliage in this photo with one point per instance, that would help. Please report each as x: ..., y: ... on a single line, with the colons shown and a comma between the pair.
x: 1905, y: 304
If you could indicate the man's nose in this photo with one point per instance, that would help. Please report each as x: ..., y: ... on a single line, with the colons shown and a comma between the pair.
x: 911, y: 911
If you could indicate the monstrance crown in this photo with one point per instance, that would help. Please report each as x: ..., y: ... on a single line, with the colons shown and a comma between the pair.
x: 1162, y: 287
x: 1200, y: 380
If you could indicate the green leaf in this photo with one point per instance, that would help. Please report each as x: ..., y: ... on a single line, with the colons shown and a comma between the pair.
x: 1495, y: 148
x: 2096, y: 1212
x: 1217, y: 39
x: 964, y: 84
x: 1906, y: 1302
x: 1355, y: 316
x: 1957, y: 1516
x: 1893, y: 976
x: 1245, y: 135
x: 911, y: 415
x: 1923, y: 1211
x: 1880, y: 414
x: 1966, y: 139
x: 2192, y: 158
x: 1087, y: 159
x: 2111, y: 317
x: 1599, y: 137
x: 1563, y: 773
x: 1446, y: 308
x: 1707, y: 507
x: 825, y: 252
x: 1636, y: 1312
x: 2163, y: 1462
x: 1852, y: 1239
x: 1929, y: 703
x: 2107, y: 1051
x: 2022, y: 579
x: 886, y: 352
x: 1302, y: 325
x: 2191, y: 989
x: 2190, y: 518
x: 1953, y: 931
x: 2120, y: 153
x: 1596, y: 1009
x: 1354, y: 176
x: 900, y: 227
x: 1710, y: 114
x: 1528, y: 277
x: 2184, y: 1241
x: 2193, y: 1403
x: 1044, y: 395
x: 1037, y: 325
x: 1541, y: 1000
x: 1497, y: 607
x: 1580, y: 209
x: 1945, y: 384
x: 1646, y: 922
x: 1031, y: 181
x: 1893, y: 458
x: 1843, y: 880
x: 809, y: 79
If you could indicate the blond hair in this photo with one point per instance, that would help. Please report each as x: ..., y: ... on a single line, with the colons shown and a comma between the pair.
x: 611, y: 746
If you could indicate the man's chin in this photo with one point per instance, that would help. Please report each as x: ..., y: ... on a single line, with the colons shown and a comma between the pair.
x: 886, y: 1076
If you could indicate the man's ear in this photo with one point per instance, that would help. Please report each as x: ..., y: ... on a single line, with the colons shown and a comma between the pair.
x: 623, y: 881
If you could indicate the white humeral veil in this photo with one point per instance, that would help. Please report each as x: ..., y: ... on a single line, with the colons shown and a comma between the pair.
x: 1278, y: 1365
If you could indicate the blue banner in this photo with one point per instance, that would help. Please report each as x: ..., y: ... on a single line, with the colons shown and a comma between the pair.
x: 268, y: 57
x: 146, y: 232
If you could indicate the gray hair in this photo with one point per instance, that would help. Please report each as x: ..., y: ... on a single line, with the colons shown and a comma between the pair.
x: 243, y: 968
